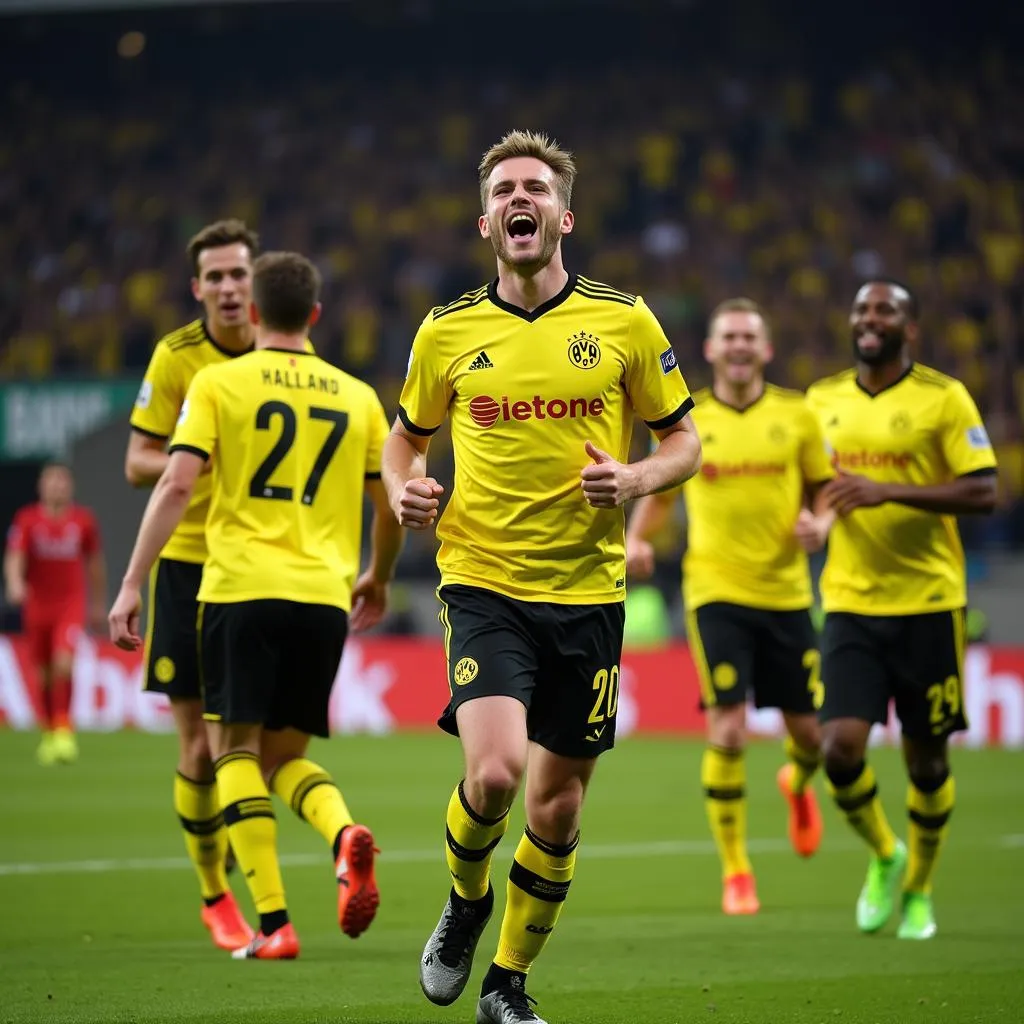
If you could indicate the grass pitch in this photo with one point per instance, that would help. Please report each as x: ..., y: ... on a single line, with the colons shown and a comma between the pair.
x: 101, y: 919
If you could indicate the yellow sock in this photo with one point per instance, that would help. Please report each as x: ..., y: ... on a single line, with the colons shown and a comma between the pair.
x: 929, y: 822
x: 206, y: 838
x: 252, y: 827
x: 723, y: 775
x: 805, y: 764
x: 313, y: 796
x: 469, y: 844
x: 537, y: 886
x: 857, y: 797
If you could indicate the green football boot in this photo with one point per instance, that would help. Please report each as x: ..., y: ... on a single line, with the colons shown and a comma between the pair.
x: 918, y: 916
x: 877, y: 899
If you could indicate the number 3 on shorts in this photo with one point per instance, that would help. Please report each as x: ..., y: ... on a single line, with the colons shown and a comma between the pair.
x: 606, y: 686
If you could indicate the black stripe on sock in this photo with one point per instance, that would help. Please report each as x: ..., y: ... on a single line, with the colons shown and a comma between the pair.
x: 251, y: 807
x: 201, y: 783
x: 810, y: 763
x: 729, y: 753
x: 550, y: 848
x: 202, y: 828
x: 929, y: 821
x: 306, y: 787
x: 855, y: 803
x: 234, y: 755
x: 486, y: 822
x: 464, y: 852
x: 716, y: 793
x: 929, y: 784
x: 538, y: 887
x: 843, y: 778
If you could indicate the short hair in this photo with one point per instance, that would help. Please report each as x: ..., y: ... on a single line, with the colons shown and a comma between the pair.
x: 221, y: 232
x: 535, y: 144
x: 738, y: 305
x: 285, y: 289
x: 912, y: 307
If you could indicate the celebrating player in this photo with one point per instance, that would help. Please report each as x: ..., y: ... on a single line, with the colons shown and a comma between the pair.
x: 912, y: 454
x: 54, y: 570
x: 294, y: 442
x: 540, y: 372
x: 221, y: 255
x: 746, y: 583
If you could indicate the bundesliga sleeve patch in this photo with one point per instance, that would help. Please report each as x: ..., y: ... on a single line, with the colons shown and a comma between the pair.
x: 668, y: 360
x: 145, y: 395
x: 978, y: 438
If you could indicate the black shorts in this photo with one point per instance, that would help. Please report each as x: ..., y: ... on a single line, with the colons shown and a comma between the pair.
x: 743, y: 652
x: 172, y: 651
x: 270, y: 662
x: 561, y: 661
x: 914, y: 660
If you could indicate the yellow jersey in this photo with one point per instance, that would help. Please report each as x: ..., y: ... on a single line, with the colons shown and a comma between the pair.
x: 923, y: 429
x: 293, y: 440
x: 742, y: 506
x: 524, y: 392
x: 177, y: 358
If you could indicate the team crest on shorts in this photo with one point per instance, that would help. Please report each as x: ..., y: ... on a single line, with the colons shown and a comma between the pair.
x: 724, y: 676
x: 465, y: 671
x: 164, y: 670
x: 584, y: 351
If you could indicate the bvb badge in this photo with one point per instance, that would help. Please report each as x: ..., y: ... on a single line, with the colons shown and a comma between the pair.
x: 584, y: 351
x: 777, y: 433
x: 900, y: 423
x: 164, y: 670
x: 465, y: 671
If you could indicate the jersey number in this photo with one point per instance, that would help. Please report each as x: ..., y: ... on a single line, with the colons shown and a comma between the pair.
x: 606, y: 685
x: 260, y: 485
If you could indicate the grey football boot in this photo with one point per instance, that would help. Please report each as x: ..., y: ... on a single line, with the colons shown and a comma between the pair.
x: 448, y: 955
x: 508, y: 1004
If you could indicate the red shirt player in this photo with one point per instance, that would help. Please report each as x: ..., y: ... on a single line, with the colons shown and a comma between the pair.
x: 53, y: 569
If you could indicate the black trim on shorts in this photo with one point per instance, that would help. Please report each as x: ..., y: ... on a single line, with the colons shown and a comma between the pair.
x: 373, y: 476
x: 984, y: 471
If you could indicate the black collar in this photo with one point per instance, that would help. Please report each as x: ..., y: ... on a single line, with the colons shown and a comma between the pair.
x: 530, y: 315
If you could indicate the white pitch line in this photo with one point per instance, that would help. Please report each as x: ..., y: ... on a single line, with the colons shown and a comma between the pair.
x: 598, y: 851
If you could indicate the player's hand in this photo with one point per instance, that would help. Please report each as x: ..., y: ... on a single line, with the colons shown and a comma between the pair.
x: 606, y: 482
x: 16, y: 593
x: 811, y: 531
x: 639, y: 558
x: 418, y: 503
x: 124, y: 618
x: 369, y: 603
x: 849, y: 492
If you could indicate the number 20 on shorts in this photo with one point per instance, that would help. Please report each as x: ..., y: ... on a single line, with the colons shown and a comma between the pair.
x: 606, y: 686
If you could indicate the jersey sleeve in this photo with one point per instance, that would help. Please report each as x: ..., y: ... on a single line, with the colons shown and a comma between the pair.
x: 654, y: 380
x: 377, y: 432
x: 963, y: 437
x: 196, y: 431
x: 815, y: 459
x: 427, y: 391
x: 17, y: 532
x: 160, y: 395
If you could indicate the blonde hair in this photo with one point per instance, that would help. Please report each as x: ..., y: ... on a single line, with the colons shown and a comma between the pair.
x: 739, y: 305
x: 535, y: 144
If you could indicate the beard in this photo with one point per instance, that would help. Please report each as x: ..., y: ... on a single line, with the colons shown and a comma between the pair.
x: 551, y: 235
x: 892, y: 340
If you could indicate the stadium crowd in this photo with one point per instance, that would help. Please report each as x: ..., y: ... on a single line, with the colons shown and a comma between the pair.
x: 789, y: 186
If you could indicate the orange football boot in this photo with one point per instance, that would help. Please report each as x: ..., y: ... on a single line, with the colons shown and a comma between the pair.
x: 358, y: 896
x: 805, y: 824
x: 739, y: 895
x: 228, y: 928
x: 282, y: 945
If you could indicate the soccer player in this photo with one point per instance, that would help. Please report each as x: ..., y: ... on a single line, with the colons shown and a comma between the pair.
x: 540, y: 372
x: 912, y: 454
x: 293, y: 443
x: 746, y: 582
x: 54, y: 570
x: 221, y: 256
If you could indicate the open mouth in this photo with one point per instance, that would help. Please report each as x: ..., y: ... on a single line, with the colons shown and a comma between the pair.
x: 231, y: 308
x: 522, y: 226
x: 869, y: 340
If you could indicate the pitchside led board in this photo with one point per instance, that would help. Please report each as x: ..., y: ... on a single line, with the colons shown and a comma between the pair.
x: 380, y: 689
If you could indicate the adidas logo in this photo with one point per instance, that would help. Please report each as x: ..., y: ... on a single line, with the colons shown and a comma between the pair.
x: 481, y: 363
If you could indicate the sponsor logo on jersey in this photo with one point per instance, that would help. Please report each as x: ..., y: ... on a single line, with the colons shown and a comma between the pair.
x: 486, y: 411
x: 712, y: 471
x: 865, y: 459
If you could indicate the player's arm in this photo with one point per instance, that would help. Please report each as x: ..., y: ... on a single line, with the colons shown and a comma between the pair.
x: 15, y: 564
x: 414, y: 497
x: 369, y: 596
x: 815, y: 519
x: 146, y: 459
x: 649, y: 516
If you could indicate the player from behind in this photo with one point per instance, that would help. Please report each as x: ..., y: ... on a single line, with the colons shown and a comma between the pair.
x: 221, y: 256
x: 293, y: 442
x: 540, y: 372
x: 912, y: 454
x: 55, y: 572
x: 746, y: 583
